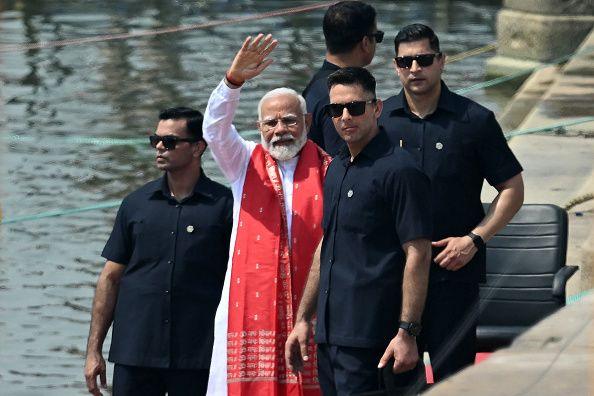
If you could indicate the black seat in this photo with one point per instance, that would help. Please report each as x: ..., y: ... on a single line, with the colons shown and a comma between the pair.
x: 526, y: 275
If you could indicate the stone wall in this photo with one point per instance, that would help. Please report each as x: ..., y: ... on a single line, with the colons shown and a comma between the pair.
x: 531, y: 33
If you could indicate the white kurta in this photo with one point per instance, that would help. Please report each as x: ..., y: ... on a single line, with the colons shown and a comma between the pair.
x: 232, y: 153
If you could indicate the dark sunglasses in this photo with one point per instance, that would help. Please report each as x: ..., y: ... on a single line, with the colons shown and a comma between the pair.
x: 355, y: 108
x: 378, y: 36
x: 423, y: 60
x: 169, y: 141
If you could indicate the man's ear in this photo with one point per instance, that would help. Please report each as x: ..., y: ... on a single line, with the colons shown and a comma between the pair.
x: 379, y: 105
x: 395, y: 67
x: 199, y: 148
x: 308, y: 120
x: 366, y: 45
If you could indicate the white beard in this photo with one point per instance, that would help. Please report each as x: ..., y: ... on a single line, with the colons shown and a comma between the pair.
x: 285, y: 152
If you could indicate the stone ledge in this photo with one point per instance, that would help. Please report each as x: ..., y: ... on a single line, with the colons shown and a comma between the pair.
x: 551, y: 7
x: 540, y: 38
x: 555, y: 357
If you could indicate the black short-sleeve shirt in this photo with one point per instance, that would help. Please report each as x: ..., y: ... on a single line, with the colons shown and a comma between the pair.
x: 322, y: 131
x: 372, y: 206
x: 457, y: 146
x: 175, y: 255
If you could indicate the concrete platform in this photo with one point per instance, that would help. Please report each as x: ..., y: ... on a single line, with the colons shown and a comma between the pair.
x: 555, y: 357
x: 559, y: 168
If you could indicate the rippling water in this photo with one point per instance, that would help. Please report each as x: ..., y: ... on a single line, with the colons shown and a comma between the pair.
x: 48, y: 267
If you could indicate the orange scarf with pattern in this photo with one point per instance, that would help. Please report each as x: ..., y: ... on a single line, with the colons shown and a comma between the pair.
x: 269, y: 274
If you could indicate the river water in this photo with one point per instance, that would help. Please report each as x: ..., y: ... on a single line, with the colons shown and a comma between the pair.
x: 114, y: 89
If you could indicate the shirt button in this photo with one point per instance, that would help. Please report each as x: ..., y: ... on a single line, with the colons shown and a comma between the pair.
x: 166, y: 321
x: 166, y: 292
x: 172, y: 232
x: 325, y: 291
x: 178, y: 206
x: 170, y: 262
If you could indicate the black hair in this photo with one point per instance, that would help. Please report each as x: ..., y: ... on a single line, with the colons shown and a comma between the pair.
x: 345, y: 25
x: 416, y: 32
x: 351, y: 76
x: 193, y: 119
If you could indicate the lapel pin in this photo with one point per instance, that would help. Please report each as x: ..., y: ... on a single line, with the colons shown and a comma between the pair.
x: 190, y: 229
x: 438, y: 145
x: 350, y: 193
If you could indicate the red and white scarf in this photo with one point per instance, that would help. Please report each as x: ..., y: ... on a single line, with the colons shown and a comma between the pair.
x: 269, y: 274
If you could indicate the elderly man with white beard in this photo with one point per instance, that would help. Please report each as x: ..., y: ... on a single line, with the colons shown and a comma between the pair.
x: 277, y: 213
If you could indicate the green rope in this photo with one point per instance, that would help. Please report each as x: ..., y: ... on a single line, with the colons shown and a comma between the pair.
x: 112, y: 204
x: 513, y: 76
x: 81, y: 140
x: 127, y: 141
x: 495, y: 81
x: 60, y: 212
x: 97, y: 141
x: 577, y: 297
x: 550, y: 128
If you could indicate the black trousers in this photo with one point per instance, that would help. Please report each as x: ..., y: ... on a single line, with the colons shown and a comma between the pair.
x: 449, y: 327
x: 145, y: 381
x: 346, y: 371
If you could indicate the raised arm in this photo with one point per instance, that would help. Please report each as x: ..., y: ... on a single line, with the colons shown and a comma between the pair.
x: 231, y: 151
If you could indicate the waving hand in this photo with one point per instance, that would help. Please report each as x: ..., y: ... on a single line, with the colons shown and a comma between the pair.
x: 251, y: 59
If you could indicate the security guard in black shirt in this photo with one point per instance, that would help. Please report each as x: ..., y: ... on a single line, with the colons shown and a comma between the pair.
x: 166, y: 262
x: 351, y: 35
x: 369, y: 278
x: 458, y: 144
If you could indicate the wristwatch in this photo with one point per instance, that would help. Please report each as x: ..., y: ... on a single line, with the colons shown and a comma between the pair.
x: 477, y: 240
x: 413, y: 329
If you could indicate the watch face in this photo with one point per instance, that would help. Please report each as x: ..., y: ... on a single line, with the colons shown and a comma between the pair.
x: 414, y: 329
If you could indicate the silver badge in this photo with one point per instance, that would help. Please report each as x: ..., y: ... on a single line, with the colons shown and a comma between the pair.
x: 350, y: 193
x: 438, y: 145
x: 190, y: 229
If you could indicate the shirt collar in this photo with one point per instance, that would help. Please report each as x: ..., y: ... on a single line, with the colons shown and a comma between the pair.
x: 203, y: 187
x: 329, y: 66
x: 377, y: 147
x: 447, y: 101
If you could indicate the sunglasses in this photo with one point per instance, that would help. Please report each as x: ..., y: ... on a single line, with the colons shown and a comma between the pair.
x: 169, y: 141
x: 272, y: 123
x: 378, y: 36
x: 423, y: 60
x: 355, y: 108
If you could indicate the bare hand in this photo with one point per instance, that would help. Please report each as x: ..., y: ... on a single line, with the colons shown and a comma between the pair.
x: 403, y: 348
x: 251, y: 60
x: 95, y: 366
x: 296, y: 346
x: 457, y: 253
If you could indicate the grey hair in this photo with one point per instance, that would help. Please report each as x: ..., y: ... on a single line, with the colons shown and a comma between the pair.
x: 279, y: 92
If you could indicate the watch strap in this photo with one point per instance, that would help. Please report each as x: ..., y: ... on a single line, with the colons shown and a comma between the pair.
x: 413, y: 329
x: 477, y: 240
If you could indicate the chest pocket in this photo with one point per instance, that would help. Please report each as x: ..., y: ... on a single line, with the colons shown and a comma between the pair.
x: 360, y: 206
x: 446, y: 157
x: 150, y: 240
